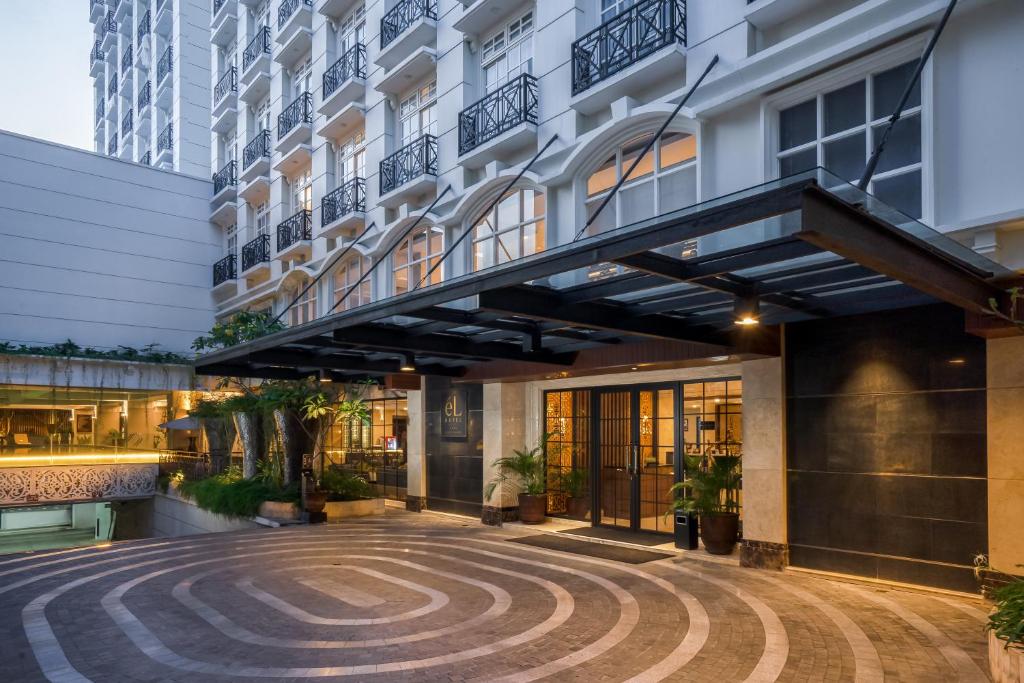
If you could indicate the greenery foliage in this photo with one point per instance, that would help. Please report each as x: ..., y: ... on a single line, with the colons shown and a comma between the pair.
x: 342, y: 486
x: 711, y: 488
x: 523, y: 469
x: 229, y: 494
x: 242, y: 327
x: 69, y: 349
x: 573, y: 482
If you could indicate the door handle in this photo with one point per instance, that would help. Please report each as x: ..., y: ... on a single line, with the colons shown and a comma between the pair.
x: 635, y: 461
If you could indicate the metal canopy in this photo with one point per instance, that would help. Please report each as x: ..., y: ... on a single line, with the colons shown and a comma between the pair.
x: 807, y: 246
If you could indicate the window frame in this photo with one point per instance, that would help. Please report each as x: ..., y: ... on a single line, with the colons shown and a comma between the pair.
x: 360, y: 296
x: 517, y: 228
x: 489, y: 60
x: 417, y: 107
x: 305, y: 304
x: 410, y: 263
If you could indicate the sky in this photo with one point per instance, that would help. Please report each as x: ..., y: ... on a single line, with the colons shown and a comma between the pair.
x: 45, y: 83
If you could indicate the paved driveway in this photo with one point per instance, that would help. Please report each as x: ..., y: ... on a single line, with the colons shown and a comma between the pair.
x: 428, y: 598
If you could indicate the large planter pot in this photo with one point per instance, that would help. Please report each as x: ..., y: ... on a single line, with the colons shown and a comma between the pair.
x: 1005, y: 664
x: 343, y: 509
x: 577, y: 507
x: 532, y: 508
x: 254, y: 441
x: 296, y: 440
x: 315, y: 501
x: 719, y: 531
x: 220, y: 435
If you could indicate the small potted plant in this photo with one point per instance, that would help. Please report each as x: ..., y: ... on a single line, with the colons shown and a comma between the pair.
x: 711, y: 489
x: 525, y: 470
x: 573, y: 483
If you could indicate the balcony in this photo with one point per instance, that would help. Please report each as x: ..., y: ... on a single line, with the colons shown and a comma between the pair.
x: 165, y: 145
x: 256, y: 167
x: 635, y: 49
x: 112, y: 145
x: 405, y: 27
x: 108, y: 32
x: 768, y: 13
x: 294, y: 30
x: 224, y: 22
x: 224, y: 192
x: 479, y: 15
x: 126, y: 124
x: 256, y: 255
x: 409, y: 172
x: 344, y: 81
x: 122, y: 10
x: 96, y: 10
x: 145, y: 97
x: 295, y: 133
x: 164, y: 21
x: 256, y: 68
x: 112, y: 86
x: 164, y: 66
x: 412, y: 69
x: 336, y: 9
x: 146, y: 159
x: 225, y: 270
x: 126, y: 63
x: 343, y: 211
x: 101, y: 111
x: 96, y: 60
x: 503, y: 120
x: 225, y: 101
x: 294, y: 235
x: 142, y: 32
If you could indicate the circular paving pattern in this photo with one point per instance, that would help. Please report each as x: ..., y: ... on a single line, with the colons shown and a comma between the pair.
x: 425, y: 598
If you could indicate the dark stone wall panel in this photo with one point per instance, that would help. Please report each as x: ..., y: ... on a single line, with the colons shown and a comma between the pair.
x: 454, y: 465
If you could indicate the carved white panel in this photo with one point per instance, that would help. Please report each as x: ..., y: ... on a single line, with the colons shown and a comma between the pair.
x: 62, y: 483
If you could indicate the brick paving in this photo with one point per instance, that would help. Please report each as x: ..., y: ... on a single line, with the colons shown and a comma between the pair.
x: 408, y: 597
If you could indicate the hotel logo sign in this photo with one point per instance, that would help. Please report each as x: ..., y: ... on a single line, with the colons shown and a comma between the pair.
x: 454, y: 415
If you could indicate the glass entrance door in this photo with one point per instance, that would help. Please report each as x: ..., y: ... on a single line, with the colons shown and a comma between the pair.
x: 636, y: 463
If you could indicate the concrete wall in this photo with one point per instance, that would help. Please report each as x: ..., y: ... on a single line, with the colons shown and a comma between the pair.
x: 1005, y: 458
x: 101, y: 251
x: 173, y: 516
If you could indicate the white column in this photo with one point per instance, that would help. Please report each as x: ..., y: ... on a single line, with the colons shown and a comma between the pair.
x: 416, y: 464
x: 504, y: 432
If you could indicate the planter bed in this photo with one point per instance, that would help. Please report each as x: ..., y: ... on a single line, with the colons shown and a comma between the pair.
x: 278, y: 510
x: 338, y: 510
x: 1005, y: 664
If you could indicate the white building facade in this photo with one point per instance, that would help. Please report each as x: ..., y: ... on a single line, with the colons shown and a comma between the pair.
x: 151, y: 82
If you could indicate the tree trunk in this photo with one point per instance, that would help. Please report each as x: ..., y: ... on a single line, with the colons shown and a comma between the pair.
x: 254, y: 441
x: 296, y: 441
x: 220, y: 435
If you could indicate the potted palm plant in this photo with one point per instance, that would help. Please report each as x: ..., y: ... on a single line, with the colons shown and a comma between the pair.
x: 711, y: 489
x: 524, y: 469
x: 573, y: 483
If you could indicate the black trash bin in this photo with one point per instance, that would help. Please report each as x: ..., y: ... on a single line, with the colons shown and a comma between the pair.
x: 686, y: 530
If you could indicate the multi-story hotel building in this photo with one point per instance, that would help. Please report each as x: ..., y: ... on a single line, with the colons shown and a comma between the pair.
x: 151, y: 83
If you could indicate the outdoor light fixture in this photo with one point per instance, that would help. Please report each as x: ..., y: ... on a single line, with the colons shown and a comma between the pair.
x: 325, y: 376
x: 747, y: 310
x: 408, y: 363
x: 957, y: 361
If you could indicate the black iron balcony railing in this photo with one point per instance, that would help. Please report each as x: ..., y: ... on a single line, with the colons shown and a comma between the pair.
x: 96, y: 55
x: 166, y: 139
x: 101, y: 110
x: 352, y: 64
x: 145, y: 95
x: 500, y: 111
x: 259, y: 45
x: 256, y: 149
x: 143, y: 30
x: 295, y: 229
x: 165, y: 64
x: 287, y: 8
x: 112, y: 86
x: 256, y: 251
x: 351, y: 196
x: 625, y: 39
x: 112, y: 144
x: 402, y: 16
x: 225, y: 177
x: 217, y: 4
x: 109, y: 25
x: 146, y: 159
x: 227, y: 83
x: 126, y: 59
x: 413, y: 160
x: 126, y: 123
x: 224, y: 269
x: 299, y: 111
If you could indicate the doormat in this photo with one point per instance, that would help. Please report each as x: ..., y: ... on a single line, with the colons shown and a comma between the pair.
x: 635, y: 538
x: 600, y: 550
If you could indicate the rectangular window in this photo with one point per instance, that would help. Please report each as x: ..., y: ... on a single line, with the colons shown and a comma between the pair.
x: 302, y: 191
x: 351, y: 159
x: 509, y: 53
x: 839, y: 129
x: 417, y: 113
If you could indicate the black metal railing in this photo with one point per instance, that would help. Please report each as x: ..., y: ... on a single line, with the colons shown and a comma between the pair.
x: 259, y: 45
x: 351, y: 196
x: 227, y: 83
x: 217, y: 4
x: 165, y: 64
x: 145, y: 95
x: 294, y: 229
x: 287, y: 8
x: 143, y: 29
x: 166, y: 139
x: 256, y: 251
x: 146, y: 159
x: 299, y: 111
x: 109, y: 25
x: 96, y: 55
x: 413, y: 160
x: 352, y: 64
x: 126, y: 59
x: 225, y: 269
x: 625, y: 39
x: 112, y: 144
x: 112, y: 86
x: 257, y: 148
x: 126, y: 123
x: 500, y: 111
x: 402, y: 16
x: 101, y: 110
x: 225, y: 177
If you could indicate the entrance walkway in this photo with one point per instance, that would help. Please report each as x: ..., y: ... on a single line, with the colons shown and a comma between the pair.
x: 429, y: 598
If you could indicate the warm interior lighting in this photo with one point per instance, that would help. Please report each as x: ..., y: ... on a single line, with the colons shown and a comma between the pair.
x: 17, y: 460
x: 719, y: 359
x: 408, y: 363
x: 957, y: 361
x: 325, y: 376
x: 747, y: 310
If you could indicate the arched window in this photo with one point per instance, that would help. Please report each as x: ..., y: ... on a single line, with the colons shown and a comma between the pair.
x: 304, y: 309
x: 415, y: 256
x: 345, y: 277
x: 663, y: 181
x: 514, y: 228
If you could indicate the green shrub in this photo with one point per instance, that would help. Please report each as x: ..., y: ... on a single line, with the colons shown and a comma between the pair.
x: 1007, y: 621
x: 228, y: 494
x: 342, y: 487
